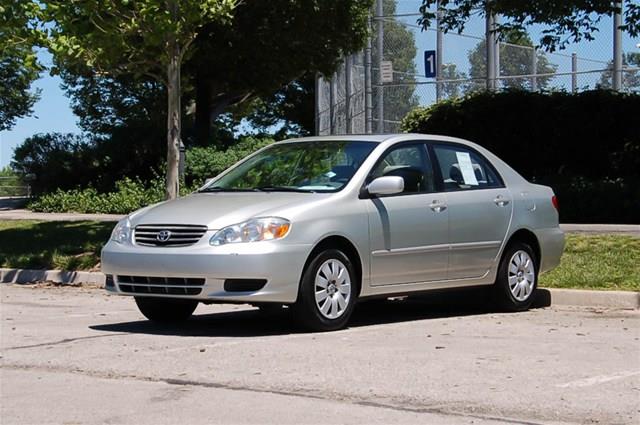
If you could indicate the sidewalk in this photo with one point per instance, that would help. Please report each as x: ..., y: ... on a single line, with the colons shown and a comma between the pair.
x: 22, y: 214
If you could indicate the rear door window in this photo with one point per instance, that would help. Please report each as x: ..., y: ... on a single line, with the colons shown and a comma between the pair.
x: 462, y: 168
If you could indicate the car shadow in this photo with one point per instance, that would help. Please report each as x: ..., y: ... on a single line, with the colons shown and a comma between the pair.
x: 255, y: 323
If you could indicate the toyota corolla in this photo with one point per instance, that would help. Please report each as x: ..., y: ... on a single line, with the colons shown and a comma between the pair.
x: 317, y: 224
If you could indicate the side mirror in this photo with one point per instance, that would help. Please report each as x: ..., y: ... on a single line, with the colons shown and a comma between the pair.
x: 386, y: 185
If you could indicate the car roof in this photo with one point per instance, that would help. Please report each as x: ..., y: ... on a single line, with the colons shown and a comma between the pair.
x: 378, y: 138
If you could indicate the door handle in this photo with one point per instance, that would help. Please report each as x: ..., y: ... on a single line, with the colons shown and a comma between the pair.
x: 437, y: 206
x: 501, y: 201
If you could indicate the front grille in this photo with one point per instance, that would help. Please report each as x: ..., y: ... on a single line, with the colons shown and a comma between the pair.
x: 160, y: 285
x: 178, y: 234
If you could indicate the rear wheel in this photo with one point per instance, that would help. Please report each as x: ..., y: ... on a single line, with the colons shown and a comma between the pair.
x: 166, y: 310
x: 328, y: 292
x: 517, y: 278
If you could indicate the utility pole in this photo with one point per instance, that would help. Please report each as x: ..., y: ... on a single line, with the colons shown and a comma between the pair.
x: 574, y: 75
x: 333, y: 97
x: 534, y: 69
x: 368, y: 92
x: 318, y: 88
x: 347, y: 93
x: 439, y: 51
x: 380, y: 47
x: 490, y: 38
x: 617, y: 47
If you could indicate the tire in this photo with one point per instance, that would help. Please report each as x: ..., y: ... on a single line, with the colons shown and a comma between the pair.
x: 166, y: 310
x: 329, y: 278
x: 517, y: 279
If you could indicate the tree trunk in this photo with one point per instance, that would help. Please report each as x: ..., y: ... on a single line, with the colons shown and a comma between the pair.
x: 203, y: 110
x: 174, y: 125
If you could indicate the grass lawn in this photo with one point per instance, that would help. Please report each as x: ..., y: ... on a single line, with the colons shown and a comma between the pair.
x: 609, y: 262
x: 64, y: 245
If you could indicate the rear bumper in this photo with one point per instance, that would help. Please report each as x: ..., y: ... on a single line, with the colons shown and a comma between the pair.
x: 551, y: 247
x: 278, y: 263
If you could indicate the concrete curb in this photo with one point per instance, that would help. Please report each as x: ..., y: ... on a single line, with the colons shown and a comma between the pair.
x: 544, y: 297
x: 63, y: 277
x: 590, y: 298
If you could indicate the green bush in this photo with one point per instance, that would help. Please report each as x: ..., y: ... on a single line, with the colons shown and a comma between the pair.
x: 203, y: 163
x: 129, y: 196
x: 585, y: 145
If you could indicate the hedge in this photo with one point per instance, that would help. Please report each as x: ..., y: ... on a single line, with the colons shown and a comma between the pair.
x: 132, y: 194
x: 585, y: 145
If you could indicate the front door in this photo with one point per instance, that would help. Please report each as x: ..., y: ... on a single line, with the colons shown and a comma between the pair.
x: 408, y: 231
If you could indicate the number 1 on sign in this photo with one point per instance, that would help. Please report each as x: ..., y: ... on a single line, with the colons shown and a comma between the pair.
x: 430, y: 63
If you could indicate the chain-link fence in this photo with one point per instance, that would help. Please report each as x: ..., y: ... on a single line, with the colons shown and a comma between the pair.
x: 359, y: 98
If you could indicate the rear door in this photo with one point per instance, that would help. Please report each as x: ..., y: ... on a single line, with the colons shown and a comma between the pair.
x: 479, y: 205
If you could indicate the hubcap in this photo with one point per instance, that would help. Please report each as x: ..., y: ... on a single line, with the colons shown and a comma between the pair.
x: 332, y: 288
x: 521, y: 276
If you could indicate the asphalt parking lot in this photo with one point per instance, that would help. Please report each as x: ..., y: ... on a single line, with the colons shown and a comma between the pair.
x: 79, y: 356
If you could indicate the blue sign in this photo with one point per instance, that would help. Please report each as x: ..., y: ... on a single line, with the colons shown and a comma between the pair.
x: 430, y: 69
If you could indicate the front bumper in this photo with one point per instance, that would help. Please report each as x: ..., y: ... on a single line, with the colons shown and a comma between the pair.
x: 279, y: 263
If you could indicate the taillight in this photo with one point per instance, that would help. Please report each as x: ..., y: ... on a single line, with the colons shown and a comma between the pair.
x: 554, y: 201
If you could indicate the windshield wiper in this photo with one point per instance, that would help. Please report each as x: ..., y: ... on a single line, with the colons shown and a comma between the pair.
x: 282, y: 189
x: 225, y: 189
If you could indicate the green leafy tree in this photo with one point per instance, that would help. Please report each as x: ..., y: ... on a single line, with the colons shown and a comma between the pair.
x: 55, y: 161
x: 273, y: 46
x: 141, y: 37
x: 564, y: 22
x: 630, y: 79
x: 291, y: 109
x: 514, y: 60
x: 19, y: 67
x: 451, y: 88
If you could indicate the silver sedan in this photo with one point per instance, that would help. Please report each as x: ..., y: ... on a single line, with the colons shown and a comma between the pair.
x: 317, y: 224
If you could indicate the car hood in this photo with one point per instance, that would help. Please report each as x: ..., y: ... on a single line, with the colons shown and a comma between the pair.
x: 217, y: 210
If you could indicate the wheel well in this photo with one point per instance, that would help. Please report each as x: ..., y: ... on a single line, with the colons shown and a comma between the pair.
x: 344, y: 245
x: 528, y: 237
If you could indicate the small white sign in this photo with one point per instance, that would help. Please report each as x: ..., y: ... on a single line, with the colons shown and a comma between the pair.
x: 386, y: 71
x: 466, y: 168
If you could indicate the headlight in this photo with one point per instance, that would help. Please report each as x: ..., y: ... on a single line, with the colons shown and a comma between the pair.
x: 254, y: 230
x: 122, y: 232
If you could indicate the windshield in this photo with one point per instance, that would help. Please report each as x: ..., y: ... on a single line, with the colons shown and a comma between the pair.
x: 300, y: 166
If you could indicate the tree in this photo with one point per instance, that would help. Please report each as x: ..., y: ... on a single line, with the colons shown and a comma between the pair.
x: 141, y: 37
x: 19, y: 67
x: 452, y: 89
x: 273, y: 45
x: 56, y: 161
x: 292, y: 108
x: 399, y: 48
x: 630, y: 79
x: 567, y: 21
x: 514, y: 61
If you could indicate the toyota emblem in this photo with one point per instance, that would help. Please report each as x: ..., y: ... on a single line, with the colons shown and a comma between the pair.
x: 163, y: 235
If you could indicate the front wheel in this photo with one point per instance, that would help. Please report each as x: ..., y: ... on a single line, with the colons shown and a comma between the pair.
x: 328, y: 292
x: 166, y: 310
x: 517, y: 278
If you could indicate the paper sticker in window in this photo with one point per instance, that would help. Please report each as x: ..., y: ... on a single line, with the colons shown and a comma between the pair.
x: 466, y: 168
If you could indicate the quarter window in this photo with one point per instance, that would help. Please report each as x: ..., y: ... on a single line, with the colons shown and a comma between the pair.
x: 464, y: 169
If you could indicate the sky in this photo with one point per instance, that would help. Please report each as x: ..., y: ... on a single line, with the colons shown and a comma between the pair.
x: 52, y: 113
